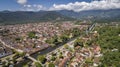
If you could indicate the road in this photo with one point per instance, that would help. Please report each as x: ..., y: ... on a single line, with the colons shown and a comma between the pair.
x: 72, y: 41
x: 90, y: 28
x: 69, y: 42
x: 46, y: 51
x: 18, y: 50
x: 31, y: 58
x: 51, y: 49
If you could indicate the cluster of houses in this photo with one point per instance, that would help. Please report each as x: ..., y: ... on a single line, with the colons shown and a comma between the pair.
x: 86, y: 54
x: 17, y: 36
x: 70, y: 56
x: 4, y: 51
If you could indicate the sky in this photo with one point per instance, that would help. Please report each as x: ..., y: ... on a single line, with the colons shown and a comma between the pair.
x: 48, y: 5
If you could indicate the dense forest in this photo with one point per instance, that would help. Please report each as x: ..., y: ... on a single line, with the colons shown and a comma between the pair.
x: 109, y: 40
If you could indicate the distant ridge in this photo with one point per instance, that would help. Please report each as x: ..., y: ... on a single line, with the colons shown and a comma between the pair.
x: 94, y: 15
x: 17, y: 17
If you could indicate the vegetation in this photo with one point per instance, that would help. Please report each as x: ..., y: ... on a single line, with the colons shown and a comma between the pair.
x: 64, y: 37
x: 109, y: 40
x: 22, y: 17
x: 53, y: 40
x: 51, y: 65
x: 42, y: 58
x: 78, y: 42
x: 18, y: 39
x: 76, y: 32
x: 66, y: 46
x: 53, y: 58
x: 26, y: 65
x: 88, y: 60
x: 60, y: 55
x: 111, y: 59
x: 32, y: 34
x: 37, y: 64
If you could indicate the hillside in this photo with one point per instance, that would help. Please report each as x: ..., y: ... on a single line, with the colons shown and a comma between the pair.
x: 7, y: 17
x: 95, y: 15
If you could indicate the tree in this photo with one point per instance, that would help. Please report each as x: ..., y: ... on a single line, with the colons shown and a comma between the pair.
x: 26, y: 65
x: 53, y: 40
x: 76, y: 32
x: 42, y: 58
x: 111, y: 59
x: 60, y: 55
x: 22, y: 54
x: 64, y: 37
x: 32, y: 34
x: 78, y: 42
x: 89, y: 60
x: 37, y: 64
x: 109, y: 40
x: 49, y: 41
x: 66, y: 46
x: 18, y: 39
x: 53, y: 58
x: 51, y: 65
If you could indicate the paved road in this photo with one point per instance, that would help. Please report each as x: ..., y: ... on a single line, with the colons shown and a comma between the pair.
x: 90, y: 28
x: 51, y: 49
x: 31, y: 58
x: 69, y: 42
x: 48, y: 50
x: 18, y: 50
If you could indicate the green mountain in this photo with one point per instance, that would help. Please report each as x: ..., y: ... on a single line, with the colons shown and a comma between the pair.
x: 18, y: 17
x: 110, y: 15
x: 7, y: 17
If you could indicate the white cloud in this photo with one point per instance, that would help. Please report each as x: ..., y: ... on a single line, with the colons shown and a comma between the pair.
x: 27, y: 6
x: 93, y: 5
x: 34, y: 7
x: 21, y: 1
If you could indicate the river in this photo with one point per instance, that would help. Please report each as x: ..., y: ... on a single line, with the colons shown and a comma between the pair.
x: 43, y: 52
x: 49, y: 49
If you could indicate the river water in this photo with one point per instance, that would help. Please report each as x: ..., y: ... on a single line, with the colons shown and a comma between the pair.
x: 49, y: 49
x: 42, y: 52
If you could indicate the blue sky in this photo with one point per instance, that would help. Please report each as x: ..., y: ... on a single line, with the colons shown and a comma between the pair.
x: 14, y: 5
x: 75, y: 5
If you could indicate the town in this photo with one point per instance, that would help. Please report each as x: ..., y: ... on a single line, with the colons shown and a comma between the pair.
x: 31, y: 38
x: 51, y: 44
x: 59, y: 33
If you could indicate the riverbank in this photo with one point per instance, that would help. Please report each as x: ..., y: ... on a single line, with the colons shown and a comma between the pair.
x: 42, y: 52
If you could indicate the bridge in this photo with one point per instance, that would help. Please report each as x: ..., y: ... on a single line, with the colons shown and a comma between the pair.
x: 90, y: 28
x: 31, y: 58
